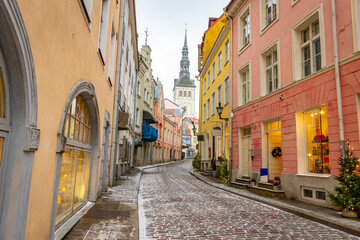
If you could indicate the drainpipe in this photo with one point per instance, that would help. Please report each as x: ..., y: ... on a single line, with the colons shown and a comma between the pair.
x: 337, y: 79
x: 115, y: 131
x: 133, y: 124
x: 231, y: 100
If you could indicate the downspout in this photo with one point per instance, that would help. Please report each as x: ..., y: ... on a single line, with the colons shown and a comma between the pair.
x: 115, y: 132
x: 231, y: 100
x: 337, y: 80
x: 133, y: 124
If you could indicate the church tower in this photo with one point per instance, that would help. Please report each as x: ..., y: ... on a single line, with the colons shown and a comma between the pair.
x: 184, y: 87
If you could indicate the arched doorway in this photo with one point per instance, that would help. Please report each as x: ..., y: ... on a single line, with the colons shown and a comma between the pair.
x: 19, y: 137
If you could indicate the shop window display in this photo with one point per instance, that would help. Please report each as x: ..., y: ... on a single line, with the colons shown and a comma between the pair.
x: 75, y: 166
x: 318, y: 141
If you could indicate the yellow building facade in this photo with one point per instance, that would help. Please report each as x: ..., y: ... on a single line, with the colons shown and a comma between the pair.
x: 215, y: 83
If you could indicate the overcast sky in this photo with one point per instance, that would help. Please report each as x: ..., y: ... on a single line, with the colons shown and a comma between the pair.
x: 166, y: 21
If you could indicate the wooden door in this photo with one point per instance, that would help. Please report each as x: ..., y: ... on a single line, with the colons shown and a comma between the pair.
x: 246, y: 156
x: 274, y: 163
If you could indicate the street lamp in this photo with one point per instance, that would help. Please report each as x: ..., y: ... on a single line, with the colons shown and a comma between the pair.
x: 219, y: 110
x: 194, y: 128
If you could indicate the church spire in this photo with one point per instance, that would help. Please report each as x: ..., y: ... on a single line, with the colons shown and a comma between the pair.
x: 185, y: 63
x: 185, y: 41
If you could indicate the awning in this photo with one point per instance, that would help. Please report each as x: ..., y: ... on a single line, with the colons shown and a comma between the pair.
x: 148, y: 117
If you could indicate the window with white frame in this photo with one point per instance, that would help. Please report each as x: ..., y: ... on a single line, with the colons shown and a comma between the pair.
x: 226, y: 90
x: 244, y: 29
x: 204, y: 112
x: 213, y: 103
x: 355, y: 13
x: 138, y: 87
x: 219, y: 63
x: 271, y: 71
x: 219, y: 100
x: 308, y: 39
x: 213, y: 72
x: 204, y: 85
x: 208, y: 79
x: 270, y: 11
x: 311, y: 49
x: 137, y: 117
x: 226, y: 51
x: 112, y: 53
x: 244, y: 84
x: 208, y: 108
x: 87, y: 6
x: 103, y: 29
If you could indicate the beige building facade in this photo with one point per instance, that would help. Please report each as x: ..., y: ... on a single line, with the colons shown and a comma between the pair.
x: 59, y: 81
x: 145, y: 99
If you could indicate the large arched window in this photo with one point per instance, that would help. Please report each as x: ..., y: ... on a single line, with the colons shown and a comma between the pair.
x: 180, y: 94
x: 75, y: 166
x: 189, y: 94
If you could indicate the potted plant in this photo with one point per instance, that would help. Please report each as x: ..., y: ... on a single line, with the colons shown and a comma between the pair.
x: 347, y: 193
x: 252, y: 182
x: 277, y: 179
x: 276, y: 186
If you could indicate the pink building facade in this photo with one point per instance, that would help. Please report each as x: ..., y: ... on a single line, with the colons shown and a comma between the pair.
x: 284, y: 92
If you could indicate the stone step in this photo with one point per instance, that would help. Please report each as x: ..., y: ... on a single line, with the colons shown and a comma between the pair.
x: 206, y: 173
x: 242, y: 180
x: 245, y: 177
x: 267, y: 192
x: 265, y: 185
x: 239, y: 185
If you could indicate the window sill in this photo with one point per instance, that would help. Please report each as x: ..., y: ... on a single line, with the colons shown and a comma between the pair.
x: 226, y: 62
x: 293, y: 2
x: 314, y: 175
x: 244, y: 48
x: 69, y: 224
x: 311, y: 75
x: 268, y: 26
x: 219, y: 72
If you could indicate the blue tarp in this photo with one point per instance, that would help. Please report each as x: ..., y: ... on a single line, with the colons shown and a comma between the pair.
x: 149, y: 134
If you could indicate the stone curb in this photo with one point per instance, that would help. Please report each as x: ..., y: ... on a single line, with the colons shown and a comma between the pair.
x: 305, y: 213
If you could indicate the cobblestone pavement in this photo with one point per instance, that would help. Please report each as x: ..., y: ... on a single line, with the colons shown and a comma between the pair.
x: 175, y: 205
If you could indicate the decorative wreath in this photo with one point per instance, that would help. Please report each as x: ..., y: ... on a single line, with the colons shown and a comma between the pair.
x: 276, y: 152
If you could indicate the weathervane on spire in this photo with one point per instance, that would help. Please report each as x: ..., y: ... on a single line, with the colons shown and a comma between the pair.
x: 185, y: 27
x: 146, y: 35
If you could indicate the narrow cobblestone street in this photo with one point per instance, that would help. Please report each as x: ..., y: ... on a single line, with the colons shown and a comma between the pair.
x: 175, y: 205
